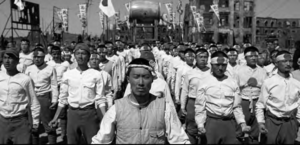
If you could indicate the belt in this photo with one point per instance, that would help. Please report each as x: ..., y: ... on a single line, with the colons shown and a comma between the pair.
x: 271, y: 115
x: 192, y: 98
x: 15, y: 117
x: 90, y: 107
x: 215, y: 116
x: 251, y: 105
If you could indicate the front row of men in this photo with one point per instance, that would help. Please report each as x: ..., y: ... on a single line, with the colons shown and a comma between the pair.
x: 221, y: 108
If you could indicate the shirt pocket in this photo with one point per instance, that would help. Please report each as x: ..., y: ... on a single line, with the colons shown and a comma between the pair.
x: 158, y: 137
x: 229, y: 96
x: 89, y: 89
x: 16, y: 93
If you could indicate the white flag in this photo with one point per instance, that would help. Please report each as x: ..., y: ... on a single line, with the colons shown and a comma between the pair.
x: 169, y: 7
x: 127, y: 5
x: 215, y: 8
x: 107, y: 7
x: 64, y: 14
x: 20, y: 4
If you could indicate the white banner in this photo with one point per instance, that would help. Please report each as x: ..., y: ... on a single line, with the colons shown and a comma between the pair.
x: 82, y: 10
x: 127, y: 6
x: 101, y: 19
x: 215, y: 8
x: 64, y: 14
x: 169, y: 7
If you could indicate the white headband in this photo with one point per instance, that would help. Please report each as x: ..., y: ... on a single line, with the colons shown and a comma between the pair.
x: 219, y: 60
x: 93, y: 55
x: 189, y: 55
x: 283, y: 57
x: 232, y: 53
x: 141, y: 66
x: 250, y: 53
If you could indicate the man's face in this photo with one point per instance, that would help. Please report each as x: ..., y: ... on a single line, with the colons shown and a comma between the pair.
x: 10, y: 62
x: 220, y: 47
x: 219, y: 69
x: 110, y: 50
x: 140, y: 80
x: 25, y: 46
x: 261, y: 60
x: 102, y: 53
x: 189, y: 58
x: 252, y: 59
x: 67, y: 57
x: 202, y: 59
x: 232, y: 56
x: 285, y: 65
x: 273, y: 57
x: 38, y: 58
x: 82, y: 57
x: 56, y: 54
x: 94, y: 62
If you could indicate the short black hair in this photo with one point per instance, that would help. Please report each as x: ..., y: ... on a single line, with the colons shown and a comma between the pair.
x: 219, y: 54
x: 251, y: 49
x: 189, y: 50
x: 55, y: 48
x: 202, y: 50
x: 273, y: 51
x: 138, y: 61
x: 282, y: 52
x: 231, y: 49
x: 25, y: 40
x: 213, y: 46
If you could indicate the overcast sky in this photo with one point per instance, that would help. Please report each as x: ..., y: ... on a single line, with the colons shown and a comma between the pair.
x: 46, y: 12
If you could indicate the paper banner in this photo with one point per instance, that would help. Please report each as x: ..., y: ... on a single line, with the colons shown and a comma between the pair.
x: 215, y: 8
x: 169, y: 7
x: 64, y: 14
x: 127, y: 6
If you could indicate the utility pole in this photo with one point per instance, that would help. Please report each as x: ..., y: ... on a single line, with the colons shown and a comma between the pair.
x: 254, y: 23
x: 231, y: 22
x: 241, y: 24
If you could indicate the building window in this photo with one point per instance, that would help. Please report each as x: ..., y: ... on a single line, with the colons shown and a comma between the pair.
x: 266, y: 31
x: 272, y: 24
x: 257, y: 32
x: 248, y: 22
x: 236, y: 22
x: 279, y: 24
x: 294, y: 24
x: 237, y: 6
x: 224, y: 3
x: 257, y: 23
x: 248, y: 6
x: 224, y: 19
x: 266, y: 23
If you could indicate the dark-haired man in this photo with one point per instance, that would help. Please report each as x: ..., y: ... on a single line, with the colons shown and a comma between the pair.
x: 189, y: 92
x: 26, y: 56
x: 250, y: 77
x: 19, y: 106
x: 218, y: 104
x: 271, y: 68
x: 141, y: 117
x: 82, y: 89
x: 232, y: 66
x: 277, y: 109
x: 46, y: 88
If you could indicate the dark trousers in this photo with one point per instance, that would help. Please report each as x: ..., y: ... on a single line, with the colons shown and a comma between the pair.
x: 191, y: 126
x: 63, y: 123
x: 250, y: 121
x: 220, y: 129
x: 46, y: 115
x: 280, y: 130
x: 82, y: 123
x: 15, y: 130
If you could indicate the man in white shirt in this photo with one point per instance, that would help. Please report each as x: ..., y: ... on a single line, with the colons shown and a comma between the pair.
x: 61, y: 67
x: 250, y: 78
x: 218, y: 104
x: 271, y: 68
x: 188, y: 94
x: 26, y: 56
x: 19, y: 106
x: 277, y: 109
x: 45, y: 82
x: 232, y: 66
x: 141, y: 117
x: 82, y: 89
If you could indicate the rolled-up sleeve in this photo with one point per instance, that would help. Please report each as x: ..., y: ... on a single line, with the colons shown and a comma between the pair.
x: 100, y: 98
x: 64, y: 89
x: 34, y: 103
x: 184, y: 92
x: 54, y: 86
x: 200, y: 107
x: 106, y: 133
x: 178, y: 81
x: 237, y: 108
x: 261, y: 103
x: 174, y: 130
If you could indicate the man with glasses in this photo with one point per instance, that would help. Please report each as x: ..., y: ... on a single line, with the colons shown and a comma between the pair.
x: 250, y: 78
x: 277, y: 109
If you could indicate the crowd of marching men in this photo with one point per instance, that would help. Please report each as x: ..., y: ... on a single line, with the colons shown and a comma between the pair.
x: 214, y: 94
